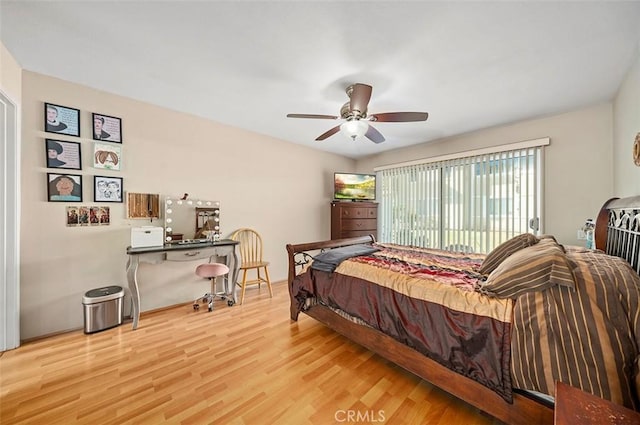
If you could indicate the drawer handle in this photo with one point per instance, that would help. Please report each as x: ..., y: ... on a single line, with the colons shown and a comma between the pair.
x: 191, y: 254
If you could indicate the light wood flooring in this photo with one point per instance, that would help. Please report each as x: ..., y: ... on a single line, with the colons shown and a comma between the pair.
x: 246, y: 364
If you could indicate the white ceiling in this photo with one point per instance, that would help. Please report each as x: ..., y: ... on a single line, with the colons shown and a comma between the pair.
x: 471, y: 64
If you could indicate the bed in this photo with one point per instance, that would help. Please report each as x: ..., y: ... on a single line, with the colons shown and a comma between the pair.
x: 498, y: 330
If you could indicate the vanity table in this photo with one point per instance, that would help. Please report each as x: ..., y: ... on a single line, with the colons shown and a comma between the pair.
x: 181, y: 252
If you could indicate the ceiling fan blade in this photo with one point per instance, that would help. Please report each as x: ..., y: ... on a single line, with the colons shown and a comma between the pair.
x: 315, y: 116
x: 374, y: 135
x: 360, y: 96
x: 400, y: 117
x: 328, y: 133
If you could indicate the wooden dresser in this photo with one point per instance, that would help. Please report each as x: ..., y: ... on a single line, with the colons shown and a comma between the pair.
x: 350, y: 219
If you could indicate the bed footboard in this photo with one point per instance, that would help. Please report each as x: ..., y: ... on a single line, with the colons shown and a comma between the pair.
x: 300, y: 255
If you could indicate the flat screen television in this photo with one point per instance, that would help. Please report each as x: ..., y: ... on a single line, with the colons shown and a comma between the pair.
x: 354, y: 187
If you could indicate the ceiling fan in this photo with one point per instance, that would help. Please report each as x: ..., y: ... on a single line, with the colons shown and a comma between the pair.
x: 355, y: 114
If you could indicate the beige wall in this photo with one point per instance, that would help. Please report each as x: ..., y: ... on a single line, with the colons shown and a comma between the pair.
x: 626, y: 175
x: 281, y: 189
x: 578, y: 162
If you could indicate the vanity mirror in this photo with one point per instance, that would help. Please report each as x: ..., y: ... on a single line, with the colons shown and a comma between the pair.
x: 191, y: 219
x: 143, y: 205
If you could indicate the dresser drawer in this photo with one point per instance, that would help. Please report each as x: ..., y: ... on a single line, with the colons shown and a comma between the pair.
x: 200, y: 253
x: 353, y: 219
x: 359, y: 212
x: 358, y: 233
x: 359, y: 224
x: 189, y: 255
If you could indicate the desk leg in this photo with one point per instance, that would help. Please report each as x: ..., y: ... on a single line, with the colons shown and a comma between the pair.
x: 232, y: 262
x: 132, y: 271
x: 234, y: 274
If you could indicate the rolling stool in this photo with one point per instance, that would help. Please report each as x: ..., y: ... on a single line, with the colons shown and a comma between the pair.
x: 211, y: 271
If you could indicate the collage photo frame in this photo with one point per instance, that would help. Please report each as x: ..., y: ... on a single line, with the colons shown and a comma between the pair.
x: 88, y: 216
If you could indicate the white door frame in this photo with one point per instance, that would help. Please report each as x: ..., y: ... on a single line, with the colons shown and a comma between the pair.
x: 9, y: 224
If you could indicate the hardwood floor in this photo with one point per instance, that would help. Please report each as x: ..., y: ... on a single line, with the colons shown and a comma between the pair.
x: 247, y: 364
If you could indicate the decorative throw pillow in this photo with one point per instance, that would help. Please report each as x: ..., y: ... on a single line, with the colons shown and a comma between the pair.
x: 541, y: 237
x: 531, y: 269
x: 505, y: 249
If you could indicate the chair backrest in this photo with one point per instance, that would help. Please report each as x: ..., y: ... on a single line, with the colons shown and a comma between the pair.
x: 250, y: 244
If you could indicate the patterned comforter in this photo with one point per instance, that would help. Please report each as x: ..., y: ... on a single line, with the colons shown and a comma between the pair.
x: 429, y: 300
x: 425, y: 299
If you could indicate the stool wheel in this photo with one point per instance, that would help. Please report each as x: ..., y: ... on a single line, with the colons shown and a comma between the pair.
x: 230, y: 303
x: 196, y: 307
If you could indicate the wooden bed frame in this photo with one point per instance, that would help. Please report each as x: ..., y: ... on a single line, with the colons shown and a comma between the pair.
x: 617, y: 232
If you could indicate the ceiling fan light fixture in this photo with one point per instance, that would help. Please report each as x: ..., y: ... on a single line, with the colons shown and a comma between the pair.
x: 357, y: 119
x: 354, y: 129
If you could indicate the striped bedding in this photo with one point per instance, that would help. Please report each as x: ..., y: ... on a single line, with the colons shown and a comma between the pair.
x: 586, y: 334
x: 588, y: 337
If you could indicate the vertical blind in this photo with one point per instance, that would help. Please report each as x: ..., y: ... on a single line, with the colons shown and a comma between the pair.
x: 469, y: 204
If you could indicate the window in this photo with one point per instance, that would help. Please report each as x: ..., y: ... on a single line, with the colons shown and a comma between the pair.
x: 464, y: 203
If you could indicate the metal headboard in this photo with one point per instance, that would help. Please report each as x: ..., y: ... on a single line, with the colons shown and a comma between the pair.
x: 623, y: 230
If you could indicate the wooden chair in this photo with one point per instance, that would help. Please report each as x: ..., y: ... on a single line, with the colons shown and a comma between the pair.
x: 251, y: 259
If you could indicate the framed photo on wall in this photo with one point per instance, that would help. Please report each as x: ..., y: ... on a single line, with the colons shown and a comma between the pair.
x: 107, y: 156
x: 73, y: 219
x: 61, y: 154
x: 61, y: 119
x: 83, y: 216
x: 107, y: 128
x: 99, y: 216
x: 64, y: 187
x: 107, y: 189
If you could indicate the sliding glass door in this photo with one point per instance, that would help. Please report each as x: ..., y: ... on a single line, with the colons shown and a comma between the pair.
x: 471, y: 203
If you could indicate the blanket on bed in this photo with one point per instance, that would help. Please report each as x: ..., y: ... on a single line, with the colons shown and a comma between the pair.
x: 587, y: 336
x: 328, y: 260
x: 425, y: 299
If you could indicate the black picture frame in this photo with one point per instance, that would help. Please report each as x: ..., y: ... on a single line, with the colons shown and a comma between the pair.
x: 61, y: 119
x: 58, y: 189
x: 63, y: 154
x: 107, y: 189
x: 106, y: 128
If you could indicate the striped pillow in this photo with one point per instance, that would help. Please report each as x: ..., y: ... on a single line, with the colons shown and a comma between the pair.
x: 505, y: 249
x: 531, y: 269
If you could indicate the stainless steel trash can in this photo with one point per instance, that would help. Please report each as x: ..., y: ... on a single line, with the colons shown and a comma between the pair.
x: 102, y: 308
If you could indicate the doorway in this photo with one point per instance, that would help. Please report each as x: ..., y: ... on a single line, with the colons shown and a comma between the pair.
x: 9, y: 225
